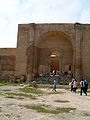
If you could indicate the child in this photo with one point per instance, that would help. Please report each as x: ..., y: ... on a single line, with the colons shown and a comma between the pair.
x: 54, y: 89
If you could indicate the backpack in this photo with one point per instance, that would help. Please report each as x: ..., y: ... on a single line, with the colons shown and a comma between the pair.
x: 83, y: 84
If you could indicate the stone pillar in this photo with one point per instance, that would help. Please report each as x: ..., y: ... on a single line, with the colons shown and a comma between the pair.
x: 31, y: 54
x: 60, y: 66
x: 35, y: 60
x: 29, y: 63
x: 21, y: 57
x: 74, y: 59
x: 78, y: 51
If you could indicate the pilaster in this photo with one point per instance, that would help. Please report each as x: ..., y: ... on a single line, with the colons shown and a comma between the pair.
x: 78, y: 51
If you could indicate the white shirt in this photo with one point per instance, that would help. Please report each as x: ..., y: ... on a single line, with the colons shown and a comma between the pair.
x: 74, y: 84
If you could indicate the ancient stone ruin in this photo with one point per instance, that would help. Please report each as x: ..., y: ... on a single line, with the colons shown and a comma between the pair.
x: 42, y: 48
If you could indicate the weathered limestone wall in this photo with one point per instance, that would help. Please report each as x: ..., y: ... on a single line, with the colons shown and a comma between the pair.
x: 67, y: 29
x: 78, y: 52
x: 29, y: 45
x: 7, y: 61
x: 22, y: 45
x: 86, y: 51
x: 36, y: 41
x: 28, y: 36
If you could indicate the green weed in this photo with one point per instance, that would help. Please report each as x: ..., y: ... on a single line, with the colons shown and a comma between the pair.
x: 2, y: 83
x: 6, y: 90
x: 8, y: 115
x: 40, y: 108
x: 61, y: 101
x: 86, y: 114
x: 10, y: 97
x: 55, y: 93
x: 31, y: 90
x: 21, y: 94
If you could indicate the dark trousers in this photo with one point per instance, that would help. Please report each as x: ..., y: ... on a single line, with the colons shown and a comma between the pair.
x: 83, y: 89
x: 86, y: 87
x: 54, y: 89
x: 71, y: 88
x: 74, y: 89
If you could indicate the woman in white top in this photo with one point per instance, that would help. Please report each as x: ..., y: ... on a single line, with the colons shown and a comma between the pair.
x: 74, y: 85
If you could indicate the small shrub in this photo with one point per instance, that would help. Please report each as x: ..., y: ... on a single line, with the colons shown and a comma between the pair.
x: 61, y: 101
x: 34, y: 84
x: 86, y: 114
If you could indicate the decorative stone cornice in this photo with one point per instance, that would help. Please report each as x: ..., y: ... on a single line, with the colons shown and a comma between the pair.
x: 77, y: 26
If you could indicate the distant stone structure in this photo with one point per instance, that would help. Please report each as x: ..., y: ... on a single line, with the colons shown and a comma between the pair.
x: 42, y: 48
x: 7, y: 62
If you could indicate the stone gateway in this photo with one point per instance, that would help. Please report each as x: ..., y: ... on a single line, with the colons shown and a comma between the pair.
x: 42, y: 48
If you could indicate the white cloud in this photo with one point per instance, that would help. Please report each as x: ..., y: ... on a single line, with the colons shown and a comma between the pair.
x: 14, y: 12
x: 85, y: 15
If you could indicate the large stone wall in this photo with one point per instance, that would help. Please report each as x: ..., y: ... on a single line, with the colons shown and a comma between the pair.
x: 7, y: 61
x: 86, y: 51
x: 28, y: 35
x: 33, y: 38
x: 22, y: 45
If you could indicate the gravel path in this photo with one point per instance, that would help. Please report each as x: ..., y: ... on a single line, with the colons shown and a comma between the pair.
x: 13, y: 108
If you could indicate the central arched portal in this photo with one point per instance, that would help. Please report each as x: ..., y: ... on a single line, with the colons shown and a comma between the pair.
x: 55, y: 52
x: 54, y: 61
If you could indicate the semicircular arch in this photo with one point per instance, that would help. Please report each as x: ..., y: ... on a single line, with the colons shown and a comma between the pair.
x: 47, y: 38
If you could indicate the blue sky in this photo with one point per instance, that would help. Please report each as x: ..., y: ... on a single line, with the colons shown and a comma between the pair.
x: 14, y: 12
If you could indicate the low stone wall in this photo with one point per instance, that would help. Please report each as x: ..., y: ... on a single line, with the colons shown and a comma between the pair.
x: 60, y: 80
x: 7, y: 62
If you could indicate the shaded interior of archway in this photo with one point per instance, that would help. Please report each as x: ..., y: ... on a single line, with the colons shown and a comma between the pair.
x: 53, y: 41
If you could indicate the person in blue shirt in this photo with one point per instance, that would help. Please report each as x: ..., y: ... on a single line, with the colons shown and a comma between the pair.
x: 54, y: 89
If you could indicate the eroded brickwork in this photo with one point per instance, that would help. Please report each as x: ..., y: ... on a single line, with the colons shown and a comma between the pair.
x: 7, y: 61
x: 70, y: 40
x: 37, y: 42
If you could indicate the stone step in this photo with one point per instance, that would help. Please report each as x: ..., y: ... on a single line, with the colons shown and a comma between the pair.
x: 49, y: 79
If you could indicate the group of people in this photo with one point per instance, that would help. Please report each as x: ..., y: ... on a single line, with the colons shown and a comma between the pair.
x: 83, y: 84
x: 65, y: 73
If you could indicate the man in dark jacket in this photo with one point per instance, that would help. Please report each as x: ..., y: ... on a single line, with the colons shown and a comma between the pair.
x: 86, y: 84
x: 82, y: 83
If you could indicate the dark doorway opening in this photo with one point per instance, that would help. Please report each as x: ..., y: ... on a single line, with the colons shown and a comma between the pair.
x: 54, y: 65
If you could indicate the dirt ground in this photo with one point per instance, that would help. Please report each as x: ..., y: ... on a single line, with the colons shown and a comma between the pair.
x: 13, y: 108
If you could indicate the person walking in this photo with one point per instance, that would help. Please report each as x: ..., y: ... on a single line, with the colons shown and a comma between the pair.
x: 75, y: 85
x: 54, y: 89
x: 82, y: 83
x: 72, y: 84
x: 86, y: 84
